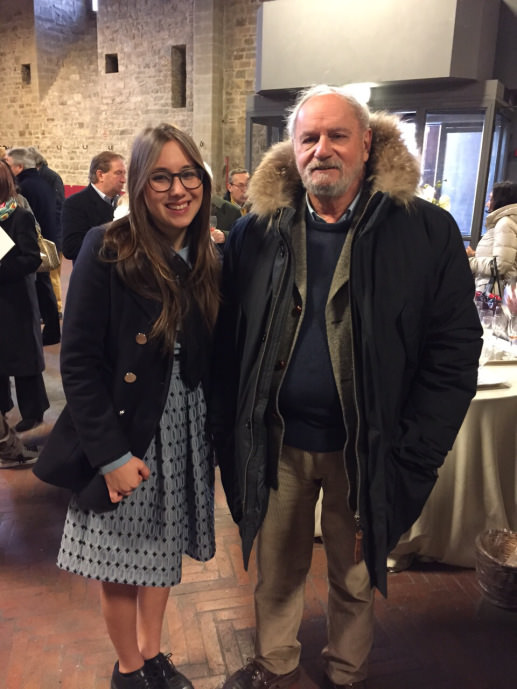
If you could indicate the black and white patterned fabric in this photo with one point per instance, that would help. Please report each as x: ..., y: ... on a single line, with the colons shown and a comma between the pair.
x: 142, y: 542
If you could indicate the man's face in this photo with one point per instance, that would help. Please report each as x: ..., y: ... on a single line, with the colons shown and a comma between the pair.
x: 330, y: 147
x: 15, y: 167
x: 238, y: 187
x: 112, y: 182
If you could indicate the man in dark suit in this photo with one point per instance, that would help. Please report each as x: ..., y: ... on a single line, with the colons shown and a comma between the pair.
x: 95, y: 204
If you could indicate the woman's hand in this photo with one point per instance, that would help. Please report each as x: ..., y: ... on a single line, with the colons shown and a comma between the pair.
x: 218, y: 236
x: 511, y: 301
x: 470, y: 251
x: 123, y: 481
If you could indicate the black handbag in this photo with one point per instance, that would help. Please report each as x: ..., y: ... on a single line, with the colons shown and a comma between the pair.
x: 493, y: 286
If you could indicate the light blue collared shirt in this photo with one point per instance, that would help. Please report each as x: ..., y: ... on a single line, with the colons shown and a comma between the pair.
x: 346, y: 215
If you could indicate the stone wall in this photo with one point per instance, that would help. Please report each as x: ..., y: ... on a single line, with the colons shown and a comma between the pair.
x: 73, y: 107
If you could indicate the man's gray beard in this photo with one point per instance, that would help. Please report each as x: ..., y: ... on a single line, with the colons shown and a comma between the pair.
x: 331, y: 190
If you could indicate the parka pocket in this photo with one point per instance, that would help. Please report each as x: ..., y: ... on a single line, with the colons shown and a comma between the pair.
x: 408, y: 485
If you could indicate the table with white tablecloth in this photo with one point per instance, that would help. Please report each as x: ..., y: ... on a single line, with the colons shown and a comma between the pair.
x: 477, y: 485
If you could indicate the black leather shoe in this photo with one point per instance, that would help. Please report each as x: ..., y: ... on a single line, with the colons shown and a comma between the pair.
x: 162, y: 671
x: 27, y: 424
x: 133, y: 680
x: 254, y: 676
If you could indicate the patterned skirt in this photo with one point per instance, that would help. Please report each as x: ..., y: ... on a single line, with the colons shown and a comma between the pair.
x: 142, y: 542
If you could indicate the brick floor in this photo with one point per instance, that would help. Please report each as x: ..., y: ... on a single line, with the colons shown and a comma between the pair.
x: 434, y: 631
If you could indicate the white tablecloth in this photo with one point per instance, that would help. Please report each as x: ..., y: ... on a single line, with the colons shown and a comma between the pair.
x: 477, y: 485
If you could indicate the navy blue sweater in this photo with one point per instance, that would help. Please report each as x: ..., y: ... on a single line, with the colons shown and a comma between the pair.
x: 309, y: 401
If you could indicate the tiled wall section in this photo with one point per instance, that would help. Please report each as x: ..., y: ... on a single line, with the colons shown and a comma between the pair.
x: 72, y: 108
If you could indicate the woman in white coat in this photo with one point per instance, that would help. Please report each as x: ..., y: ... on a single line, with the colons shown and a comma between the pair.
x: 500, y: 238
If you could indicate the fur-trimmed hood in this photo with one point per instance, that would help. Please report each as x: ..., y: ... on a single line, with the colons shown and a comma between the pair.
x: 391, y: 169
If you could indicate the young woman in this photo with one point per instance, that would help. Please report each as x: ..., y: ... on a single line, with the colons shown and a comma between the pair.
x: 141, y: 304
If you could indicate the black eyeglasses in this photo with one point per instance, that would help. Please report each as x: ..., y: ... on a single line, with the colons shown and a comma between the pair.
x: 162, y: 180
x: 243, y: 186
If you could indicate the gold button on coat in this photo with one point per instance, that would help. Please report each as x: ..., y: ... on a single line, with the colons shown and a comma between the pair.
x: 130, y: 377
x: 141, y: 338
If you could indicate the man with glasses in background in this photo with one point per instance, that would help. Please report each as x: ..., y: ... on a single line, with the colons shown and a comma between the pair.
x: 238, y: 180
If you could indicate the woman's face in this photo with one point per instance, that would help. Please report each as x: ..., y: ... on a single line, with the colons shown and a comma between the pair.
x: 173, y: 210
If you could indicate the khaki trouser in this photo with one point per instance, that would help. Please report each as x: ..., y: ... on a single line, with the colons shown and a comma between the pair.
x: 284, y: 552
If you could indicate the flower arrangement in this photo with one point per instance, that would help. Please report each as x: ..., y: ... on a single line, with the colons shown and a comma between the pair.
x: 434, y: 195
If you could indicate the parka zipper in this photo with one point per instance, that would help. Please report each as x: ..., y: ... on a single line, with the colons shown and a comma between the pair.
x: 274, y: 320
x: 359, y: 532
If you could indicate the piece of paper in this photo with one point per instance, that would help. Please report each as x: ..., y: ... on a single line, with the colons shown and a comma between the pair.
x: 6, y: 243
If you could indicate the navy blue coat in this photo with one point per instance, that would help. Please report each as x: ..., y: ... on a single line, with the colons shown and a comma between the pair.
x: 115, y: 377
x: 414, y: 331
x: 21, y: 349
x: 42, y: 202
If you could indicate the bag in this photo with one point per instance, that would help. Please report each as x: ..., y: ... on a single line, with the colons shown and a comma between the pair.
x: 49, y: 255
x: 493, y: 286
x: 490, y: 297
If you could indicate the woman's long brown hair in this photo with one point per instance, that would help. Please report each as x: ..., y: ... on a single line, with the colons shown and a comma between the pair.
x: 7, y: 183
x: 143, y: 254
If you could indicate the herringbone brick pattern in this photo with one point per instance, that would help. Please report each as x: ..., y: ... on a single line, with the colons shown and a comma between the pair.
x: 433, y: 632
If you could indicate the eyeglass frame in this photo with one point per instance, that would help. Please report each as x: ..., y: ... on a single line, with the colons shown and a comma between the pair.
x: 242, y: 186
x: 199, y: 173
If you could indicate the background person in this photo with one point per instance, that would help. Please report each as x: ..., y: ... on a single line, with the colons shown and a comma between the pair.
x: 53, y: 179
x: 13, y: 453
x: 237, y: 188
x: 94, y: 205
x: 42, y: 202
x: 141, y: 304
x: 21, y: 349
x: 500, y: 238
x: 347, y: 351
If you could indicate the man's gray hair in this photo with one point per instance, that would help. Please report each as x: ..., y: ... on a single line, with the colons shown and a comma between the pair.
x: 361, y: 110
x: 22, y: 156
x: 39, y: 158
x: 237, y: 171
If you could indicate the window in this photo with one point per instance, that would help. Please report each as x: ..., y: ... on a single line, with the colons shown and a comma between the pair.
x: 26, y: 74
x: 450, y: 162
x: 179, y: 76
x: 111, y: 63
x: 496, y: 171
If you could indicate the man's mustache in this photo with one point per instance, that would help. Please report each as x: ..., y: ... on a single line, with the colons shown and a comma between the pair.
x: 327, y: 165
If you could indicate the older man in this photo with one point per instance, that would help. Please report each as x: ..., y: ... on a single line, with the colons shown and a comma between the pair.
x: 237, y: 188
x: 346, y: 354
x: 95, y: 204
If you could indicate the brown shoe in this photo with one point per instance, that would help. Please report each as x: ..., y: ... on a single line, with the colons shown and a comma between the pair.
x: 254, y: 676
